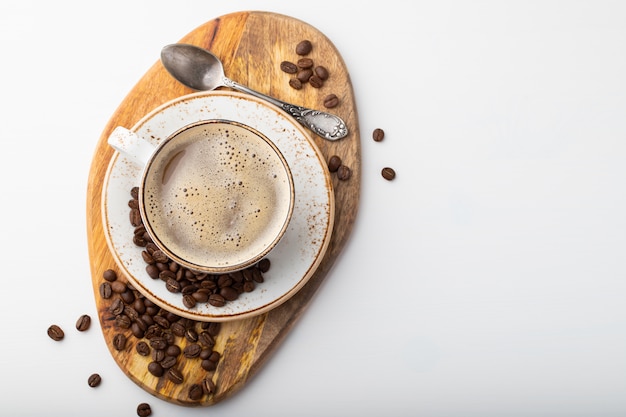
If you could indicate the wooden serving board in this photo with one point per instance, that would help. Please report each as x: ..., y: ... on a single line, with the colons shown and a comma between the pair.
x: 251, y: 45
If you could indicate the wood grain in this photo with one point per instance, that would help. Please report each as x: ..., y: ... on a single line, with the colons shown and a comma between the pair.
x: 251, y: 46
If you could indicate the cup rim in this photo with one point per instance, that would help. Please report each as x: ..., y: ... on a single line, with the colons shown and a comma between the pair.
x: 206, y: 268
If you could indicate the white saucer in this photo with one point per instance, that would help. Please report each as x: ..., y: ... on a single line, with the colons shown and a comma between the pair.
x: 298, y: 253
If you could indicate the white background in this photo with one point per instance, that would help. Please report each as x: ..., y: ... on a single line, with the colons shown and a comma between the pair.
x: 488, y: 279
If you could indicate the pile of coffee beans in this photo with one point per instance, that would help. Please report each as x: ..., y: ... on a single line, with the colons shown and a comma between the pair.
x: 194, y: 287
x: 167, y: 339
x: 305, y: 71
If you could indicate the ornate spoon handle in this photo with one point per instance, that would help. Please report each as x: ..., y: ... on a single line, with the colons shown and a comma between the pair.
x: 326, y: 125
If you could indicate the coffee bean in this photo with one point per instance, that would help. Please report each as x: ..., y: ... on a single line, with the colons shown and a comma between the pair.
x: 331, y: 101
x: 195, y: 392
x: 208, y: 386
x: 133, y: 203
x: 173, y: 350
x: 217, y: 300
x: 192, y: 350
x: 189, y: 301
x: 83, y: 323
x: 109, y: 275
x: 117, y: 306
x: 208, y: 365
x: 288, y: 67
x: 304, y: 75
x: 264, y: 265
x: 159, y: 343
x: 135, y: 217
x: 105, y: 290
x: 134, y: 192
x: 321, y: 72
x: 191, y: 335
x: 163, y: 322
x: 144, y: 410
x: 118, y: 287
x: 206, y: 339
x: 175, y: 375
x: 316, y: 82
x: 142, y: 348
x: 378, y: 134
x: 171, y: 284
x: 55, y: 333
x: 388, y: 173
x: 214, y: 328
x: 229, y: 293
x: 153, y: 271
x: 119, y: 341
x: 334, y: 163
x: 168, y: 361
x: 304, y: 47
x: 344, y: 173
x: 305, y: 63
x: 155, y: 369
x: 94, y: 380
x: 122, y: 321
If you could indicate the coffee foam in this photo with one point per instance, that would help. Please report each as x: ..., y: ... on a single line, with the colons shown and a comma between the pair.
x: 217, y: 194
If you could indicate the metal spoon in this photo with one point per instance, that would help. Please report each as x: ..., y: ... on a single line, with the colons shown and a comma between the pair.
x: 199, y: 69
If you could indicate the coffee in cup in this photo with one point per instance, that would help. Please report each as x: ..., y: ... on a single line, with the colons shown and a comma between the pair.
x: 216, y: 196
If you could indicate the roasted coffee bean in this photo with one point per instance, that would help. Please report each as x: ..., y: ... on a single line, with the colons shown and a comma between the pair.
x: 153, y: 271
x: 304, y: 75
x: 192, y: 350
x: 155, y: 369
x: 217, y: 300
x: 334, y: 163
x: 214, y: 328
x: 248, y: 286
x: 175, y: 375
x: 388, y: 173
x: 139, y: 240
x: 158, y: 355
x: 191, y: 335
x: 139, y: 306
x: 142, y: 348
x: 229, y: 293
x: 288, y: 67
x: 178, y: 329
x: 173, y: 350
x: 134, y: 192
x: 153, y: 331
x: 331, y: 101
x: 94, y: 380
x: 147, y: 318
x: 134, y: 204
x: 158, y: 342
x: 117, y: 306
x: 137, y: 330
x: 56, y: 333
x: 321, y: 72
x: 168, y: 361
x: 135, y: 217
x: 206, y: 353
x: 344, y: 173
x: 163, y: 322
x: 189, y: 301
x: 208, y: 386
x: 159, y: 256
x: 316, y: 82
x: 128, y: 296
x: 208, y: 365
x: 304, y: 47
x: 264, y: 265
x: 224, y: 280
x: 105, y: 290
x: 123, y: 321
x: 118, y: 287
x: 378, y: 134
x: 119, y: 341
x: 195, y: 392
x: 199, y: 296
x: 147, y: 258
x: 171, y: 284
x: 144, y: 410
x: 83, y: 323
x: 109, y: 275
x: 305, y: 63
x: 206, y: 339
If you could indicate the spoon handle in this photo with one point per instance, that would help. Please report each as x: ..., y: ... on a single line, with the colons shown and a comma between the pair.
x: 326, y: 125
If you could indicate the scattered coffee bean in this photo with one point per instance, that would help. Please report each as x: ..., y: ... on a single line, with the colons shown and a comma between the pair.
x: 83, y: 323
x: 195, y: 392
x: 119, y: 341
x: 155, y: 369
x: 334, y: 163
x: 331, y: 101
x: 305, y: 63
x: 118, y: 287
x: 388, y: 173
x: 217, y: 300
x: 295, y: 83
x: 144, y: 410
x: 208, y: 386
x: 321, y: 72
x: 105, y: 290
x: 316, y: 82
x: 378, y: 134
x: 344, y: 173
x: 304, y: 75
x: 304, y: 47
x: 142, y: 348
x: 264, y: 266
x: 109, y: 275
x: 175, y: 375
x: 288, y: 67
x: 55, y: 333
x: 94, y: 380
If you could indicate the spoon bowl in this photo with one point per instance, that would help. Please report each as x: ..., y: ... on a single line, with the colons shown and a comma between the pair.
x: 198, y: 69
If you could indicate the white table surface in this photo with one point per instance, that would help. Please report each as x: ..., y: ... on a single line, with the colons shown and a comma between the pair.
x: 488, y: 279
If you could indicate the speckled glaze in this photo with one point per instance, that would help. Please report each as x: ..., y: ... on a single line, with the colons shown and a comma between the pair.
x: 296, y: 256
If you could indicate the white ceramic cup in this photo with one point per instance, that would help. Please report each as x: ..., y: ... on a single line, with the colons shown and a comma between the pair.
x: 216, y: 196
